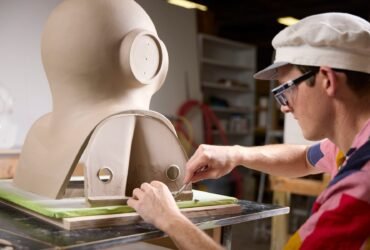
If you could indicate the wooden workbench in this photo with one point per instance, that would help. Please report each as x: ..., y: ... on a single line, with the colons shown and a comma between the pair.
x: 23, y: 231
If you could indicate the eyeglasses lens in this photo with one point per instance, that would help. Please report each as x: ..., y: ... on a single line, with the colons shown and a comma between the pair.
x: 281, y: 99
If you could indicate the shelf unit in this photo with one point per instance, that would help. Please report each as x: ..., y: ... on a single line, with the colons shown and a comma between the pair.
x: 228, y: 87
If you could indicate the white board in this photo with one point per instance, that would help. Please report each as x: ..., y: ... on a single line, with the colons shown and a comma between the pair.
x: 293, y: 133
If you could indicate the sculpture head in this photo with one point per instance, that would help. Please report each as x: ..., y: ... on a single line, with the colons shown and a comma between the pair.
x: 96, y: 51
x: 102, y: 58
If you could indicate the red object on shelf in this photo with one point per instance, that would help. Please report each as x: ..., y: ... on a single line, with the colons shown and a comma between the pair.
x: 209, y: 119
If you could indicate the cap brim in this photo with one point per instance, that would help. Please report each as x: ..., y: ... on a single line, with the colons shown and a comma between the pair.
x: 270, y: 73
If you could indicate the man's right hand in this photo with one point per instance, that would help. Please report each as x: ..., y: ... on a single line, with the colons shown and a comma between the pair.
x: 210, y: 162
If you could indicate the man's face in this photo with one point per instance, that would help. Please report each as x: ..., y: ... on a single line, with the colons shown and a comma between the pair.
x: 306, y: 103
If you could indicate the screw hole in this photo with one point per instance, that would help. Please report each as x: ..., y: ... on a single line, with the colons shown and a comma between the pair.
x: 173, y: 172
x: 105, y: 175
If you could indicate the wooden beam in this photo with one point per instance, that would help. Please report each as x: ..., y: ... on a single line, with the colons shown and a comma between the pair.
x: 280, y: 224
x: 297, y: 185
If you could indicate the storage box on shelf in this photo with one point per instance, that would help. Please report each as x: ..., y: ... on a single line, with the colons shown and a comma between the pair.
x: 226, y: 69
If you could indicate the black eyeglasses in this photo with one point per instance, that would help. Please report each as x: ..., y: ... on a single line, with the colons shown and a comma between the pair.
x: 280, y: 91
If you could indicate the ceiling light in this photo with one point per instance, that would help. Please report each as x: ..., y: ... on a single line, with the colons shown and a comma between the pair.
x: 288, y: 20
x: 188, y: 4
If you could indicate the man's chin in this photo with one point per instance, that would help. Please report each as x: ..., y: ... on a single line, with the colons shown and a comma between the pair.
x: 312, y: 137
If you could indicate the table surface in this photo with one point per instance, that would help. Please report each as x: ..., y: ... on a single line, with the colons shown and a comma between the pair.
x: 27, y: 232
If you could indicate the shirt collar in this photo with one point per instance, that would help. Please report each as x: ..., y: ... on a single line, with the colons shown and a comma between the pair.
x: 361, y: 138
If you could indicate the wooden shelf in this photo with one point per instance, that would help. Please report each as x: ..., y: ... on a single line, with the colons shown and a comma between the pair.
x: 231, y: 110
x: 217, y: 63
x: 228, y: 86
x: 221, y: 86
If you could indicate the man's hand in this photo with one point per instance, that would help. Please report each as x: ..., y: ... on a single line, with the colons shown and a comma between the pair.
x: 210, y: 162
x: 155, y: 204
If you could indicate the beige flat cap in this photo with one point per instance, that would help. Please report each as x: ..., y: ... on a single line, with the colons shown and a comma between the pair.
x: 337, y: 40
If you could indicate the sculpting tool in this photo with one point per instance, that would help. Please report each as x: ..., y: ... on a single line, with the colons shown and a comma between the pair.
x: 176, y: 194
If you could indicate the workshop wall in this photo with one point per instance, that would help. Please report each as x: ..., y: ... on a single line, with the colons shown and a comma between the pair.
x: 177, y: 28
x: 21, y: 71
x: 22, y: 74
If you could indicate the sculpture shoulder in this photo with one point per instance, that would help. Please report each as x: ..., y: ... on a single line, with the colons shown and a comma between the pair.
x: 153, y: 114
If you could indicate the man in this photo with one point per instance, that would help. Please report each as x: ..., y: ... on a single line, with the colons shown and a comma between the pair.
x: 323, y: 65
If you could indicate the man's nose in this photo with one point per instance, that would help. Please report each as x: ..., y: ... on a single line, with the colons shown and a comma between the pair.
x: 285, y: 109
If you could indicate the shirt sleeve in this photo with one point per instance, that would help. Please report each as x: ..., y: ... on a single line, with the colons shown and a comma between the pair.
x: 322, y: 156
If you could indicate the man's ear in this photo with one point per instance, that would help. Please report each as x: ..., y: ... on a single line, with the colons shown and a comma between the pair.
x: 329, y: 80
x: 143, y: 58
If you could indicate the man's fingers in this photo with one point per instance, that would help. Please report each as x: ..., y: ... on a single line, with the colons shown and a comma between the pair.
x: 201, y: 169
x: 199, y: 177
x: 145, y: 186
x: 194, y: 158
x: 187, y: 178
x: 157, y: 184
x: 196, y: 163
x: 132, y: 203
x: 137, y: 193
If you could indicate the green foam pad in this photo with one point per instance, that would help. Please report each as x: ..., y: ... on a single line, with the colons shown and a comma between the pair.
x: 76, y: 207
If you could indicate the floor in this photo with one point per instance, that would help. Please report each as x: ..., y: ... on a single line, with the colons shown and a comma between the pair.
x: 254, y: 235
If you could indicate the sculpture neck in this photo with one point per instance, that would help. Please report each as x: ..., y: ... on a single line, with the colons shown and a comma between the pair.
x: 80, y: 97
